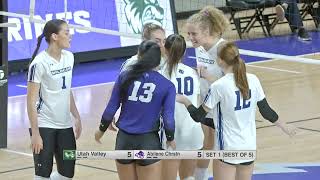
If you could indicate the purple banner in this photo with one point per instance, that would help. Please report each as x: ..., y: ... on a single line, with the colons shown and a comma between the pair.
x: 89, y: 13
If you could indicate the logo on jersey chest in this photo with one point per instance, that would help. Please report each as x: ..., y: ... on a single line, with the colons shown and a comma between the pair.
x: 59, y: 71
x: 205, y: 60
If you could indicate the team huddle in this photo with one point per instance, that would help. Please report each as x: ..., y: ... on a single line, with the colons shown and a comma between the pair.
x: 165, y: 104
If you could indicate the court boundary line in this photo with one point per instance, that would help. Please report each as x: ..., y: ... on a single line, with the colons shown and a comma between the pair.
x: 74, y: 88
x: 298, y: 60
x: 291, y: 122
x: 309, y: 129
x: 14, y: 170
x: 274, y: 69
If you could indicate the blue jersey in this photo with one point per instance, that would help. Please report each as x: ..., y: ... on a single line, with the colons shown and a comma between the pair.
x: 147, y: 98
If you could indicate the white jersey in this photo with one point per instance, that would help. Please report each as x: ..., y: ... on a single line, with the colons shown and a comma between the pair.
x: 235, y: 126
x: 54, y: 77
x: 133, y: 60
x: 188, y: 133
x: 208, y: 59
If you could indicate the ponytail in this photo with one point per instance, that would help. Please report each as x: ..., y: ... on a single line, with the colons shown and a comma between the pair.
x: 149, y: 56
x: 229, y: 53
x: 37, y: 48
x: 176, y: 47
x: 240, y: 76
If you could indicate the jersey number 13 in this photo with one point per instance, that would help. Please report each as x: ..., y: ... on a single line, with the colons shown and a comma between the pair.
x: 147, y: 94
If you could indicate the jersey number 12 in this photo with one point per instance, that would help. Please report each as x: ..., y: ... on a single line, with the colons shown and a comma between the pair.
x: 245, y: 103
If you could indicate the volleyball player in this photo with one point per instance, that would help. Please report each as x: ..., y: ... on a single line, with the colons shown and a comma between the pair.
x: 144, y: 94
x: 205, y: 31
x: 236, y: 96
x: 153, y: 32
x: 50, y: 101
x: 188, y: 134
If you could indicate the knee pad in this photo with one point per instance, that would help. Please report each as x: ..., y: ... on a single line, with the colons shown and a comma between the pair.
x: 56, y: 176
x: 43, y: 171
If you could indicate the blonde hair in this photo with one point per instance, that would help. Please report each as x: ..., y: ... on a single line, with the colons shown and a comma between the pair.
x: 148, y: 29
x: 229, y: 53
x: 212, y: 18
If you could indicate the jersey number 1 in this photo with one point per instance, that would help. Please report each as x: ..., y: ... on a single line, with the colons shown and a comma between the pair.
x: 64, y: 82
x: 245, y: 103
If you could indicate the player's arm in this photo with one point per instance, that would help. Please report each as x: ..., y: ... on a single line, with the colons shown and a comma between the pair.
x: 75, y: 113
x: 73, y: 108
x: 269, y: 114
x: 33, y: 88
x: 197, y: 114
x: 266, y: 111
x: 111, y: 109
x: 109, y: 112
x: 168, y: 113
x: 32, y: 96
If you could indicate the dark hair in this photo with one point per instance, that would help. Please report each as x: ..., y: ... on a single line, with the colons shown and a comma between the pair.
x: 52, y: 26
x: 148, y: 28
x: 229, y: 53
x: 176, y: 47
x: 149, y: 56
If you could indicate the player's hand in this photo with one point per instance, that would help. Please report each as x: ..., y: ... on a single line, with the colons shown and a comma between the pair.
x: 98, y: 135
x: 182, y: 99
x: 171, y: 145
x: 113, y: 126
x: 36, y: 142
x: 289, y: 130
x: 78, y: 128
x: 204, y: 73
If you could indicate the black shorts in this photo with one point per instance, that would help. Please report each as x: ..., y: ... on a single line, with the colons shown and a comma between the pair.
x: 147, y: 141
x: 245, y: 163
x: 54, y: 142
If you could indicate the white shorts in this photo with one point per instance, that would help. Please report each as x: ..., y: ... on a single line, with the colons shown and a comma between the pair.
x: 188, y: 133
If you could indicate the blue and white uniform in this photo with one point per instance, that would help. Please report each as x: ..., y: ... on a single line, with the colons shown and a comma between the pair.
x: 188, y: 133
x: 235, y: 125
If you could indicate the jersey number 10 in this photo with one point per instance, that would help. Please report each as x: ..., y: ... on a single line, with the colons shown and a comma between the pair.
x: 185, y: 86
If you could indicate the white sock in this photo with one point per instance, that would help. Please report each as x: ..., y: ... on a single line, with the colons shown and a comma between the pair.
x: 56, y: 176
x: 40, y: 178
x: 189, y: 178
x: 200, y: 174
